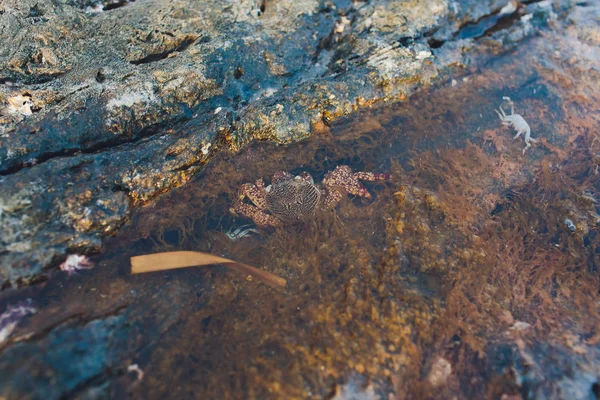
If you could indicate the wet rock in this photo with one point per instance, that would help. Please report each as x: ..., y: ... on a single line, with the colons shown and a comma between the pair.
x: 77, y: 348
x: 106, y: 104
x: 543, y: 370
x: 94, y: 346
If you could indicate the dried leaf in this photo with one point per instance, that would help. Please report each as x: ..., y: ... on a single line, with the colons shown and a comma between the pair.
x: 182, y: 259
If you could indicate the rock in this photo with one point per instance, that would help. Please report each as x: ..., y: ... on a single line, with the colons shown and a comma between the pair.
x: 94, y: 346
x: 441, y: 369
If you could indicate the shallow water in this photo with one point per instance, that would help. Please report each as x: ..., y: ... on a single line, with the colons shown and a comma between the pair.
x: 459, y: 278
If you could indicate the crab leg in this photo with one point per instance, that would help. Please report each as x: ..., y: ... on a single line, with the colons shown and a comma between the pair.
x: 518, y: 134
x: 260, y: 218
x: 503, y: 116
x: 253, y: 192
x: 500, y: 115
x: 332, y: 197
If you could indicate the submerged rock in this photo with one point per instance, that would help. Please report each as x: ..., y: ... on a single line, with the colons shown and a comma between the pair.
x: 106, y: 104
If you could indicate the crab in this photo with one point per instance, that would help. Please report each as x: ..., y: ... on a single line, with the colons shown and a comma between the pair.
x: 289, y: 199
x: 76, y: 262
x: 517, y: 122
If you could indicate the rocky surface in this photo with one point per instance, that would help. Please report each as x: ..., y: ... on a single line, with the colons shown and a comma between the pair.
x: 407, y: 297
x: 105, y: 105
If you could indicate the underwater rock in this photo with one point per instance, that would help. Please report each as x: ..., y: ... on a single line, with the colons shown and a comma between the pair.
x: 103, y: 111
x: 84, y: 351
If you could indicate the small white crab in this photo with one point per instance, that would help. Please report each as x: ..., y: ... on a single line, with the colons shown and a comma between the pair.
x: 75, y: 262
x: 517, y: 122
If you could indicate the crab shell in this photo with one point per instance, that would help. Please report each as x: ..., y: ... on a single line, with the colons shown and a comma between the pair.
x: 292, y: 199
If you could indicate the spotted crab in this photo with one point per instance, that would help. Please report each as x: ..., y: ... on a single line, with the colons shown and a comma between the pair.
x: 290, y: 199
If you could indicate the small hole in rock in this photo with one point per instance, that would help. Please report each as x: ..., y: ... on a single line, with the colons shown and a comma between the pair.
x: 239, y: 72
x: 100, y: 76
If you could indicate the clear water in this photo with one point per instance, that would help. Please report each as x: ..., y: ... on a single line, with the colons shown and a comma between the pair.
x: 446, y: 264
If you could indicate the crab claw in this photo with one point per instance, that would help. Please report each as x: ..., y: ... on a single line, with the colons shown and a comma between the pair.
x: 359, y: 189
x: 343, y: 178
x: 256, y: 194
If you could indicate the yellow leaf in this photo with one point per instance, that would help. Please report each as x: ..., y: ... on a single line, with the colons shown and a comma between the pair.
x: 182, y: 259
